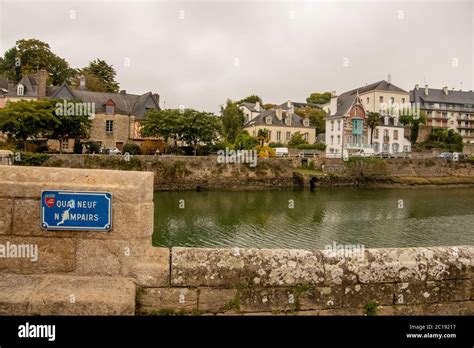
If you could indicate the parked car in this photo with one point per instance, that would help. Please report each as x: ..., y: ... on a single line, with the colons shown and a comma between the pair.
x: 458, y: 156
x: 364, y: 153
x: 308, y: 153
x: 112, y: 151
x: 445, y: 155
x: 281, y: 151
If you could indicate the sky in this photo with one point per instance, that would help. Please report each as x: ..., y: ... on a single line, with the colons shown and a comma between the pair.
x: 197, y: 54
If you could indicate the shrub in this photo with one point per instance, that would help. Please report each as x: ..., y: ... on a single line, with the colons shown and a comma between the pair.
x: 31, y: 159
x: 131, y: 148
x: 276, y: 145
x: 77, y: 149
x: 296, y: 139
x: 318, y: 146
x: 149, y: 147
x: 92, y: 147
x: 265, y: 152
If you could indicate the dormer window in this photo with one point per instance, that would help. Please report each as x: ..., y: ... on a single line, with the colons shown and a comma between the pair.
x: 268, y: 120
x: 110, y: 107
x: 385, y: 119
x: 306, y: 122
x: 288, y: 121
x: 20, y: 90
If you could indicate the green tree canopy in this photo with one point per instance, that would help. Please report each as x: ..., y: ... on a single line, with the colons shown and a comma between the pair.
x: 199, y: 127
x: 319, y: 98
x: 102, y: 75
x: 29, y: 56
x: 263, y: 136
x: 244, y: 141
x: 373, y: 121
x: 232, y: 120
x: 317, y: 117
x: 251, y: 99
x: 296, y: 139
x: 167, y: 124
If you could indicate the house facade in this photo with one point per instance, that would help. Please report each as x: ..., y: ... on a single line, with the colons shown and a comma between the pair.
x: 347, y: 126
x: 447, y: 109
x: 116, y: 116
x: 281, y: 122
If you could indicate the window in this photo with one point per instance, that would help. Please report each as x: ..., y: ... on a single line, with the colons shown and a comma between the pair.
x: 110, y: 109
x: 20, y: 90
x: 403, y: 100
x: 306, y: 122
x: 368, y: 100
x: 392, y: 100
x: 288, y: 121
x: 109, y: 126
x: 288, y: 135
x: 338, y: 140
x: 268, y: 120
x: 376, y: 147
x: 381, y: 99
x: 278, y: 135
x: 395, y: 147
x: 65, y: 144
x: 339, y: 125
x: 376, y: 133
x: 332, y: 139
x: 395, y: 134
x: 332, y: 125
x: 306, y: 136
x: 270, y: 135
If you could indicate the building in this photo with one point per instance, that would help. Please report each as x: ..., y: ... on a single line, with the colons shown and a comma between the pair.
x: 347, y: 126
x: 116, y: 116
x: 281, y: 122
x: 447, y: 109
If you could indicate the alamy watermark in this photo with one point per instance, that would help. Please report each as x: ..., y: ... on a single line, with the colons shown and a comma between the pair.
x: 23, y: 251
x: 237, y: 156
x: 68, y: 108
x: 345, y: 250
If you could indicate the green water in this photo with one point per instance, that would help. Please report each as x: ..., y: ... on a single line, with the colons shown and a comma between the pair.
x: 263, y: 219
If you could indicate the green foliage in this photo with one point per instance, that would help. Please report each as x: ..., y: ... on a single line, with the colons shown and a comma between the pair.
x: 28, y: 119
x: 265, y: 152
x: 317, y: 146
x: 77, y: 147
x: 33, y: 55
x: 105, y: 76
x: 296, y: 140
x: 92, y: 147
x: 199, y: 127
x: 441, y: 138
x: 373, y: 121
x: 232, y: 304
x: 317, y: 117
x: 276, y: 145
x: 263, y: 135
x: 319, y: 98
x: 244, y: 141
x: 371, y: 308
x: 131, y: 149
x: 232, y: 121
x: 30, y: 159
x: 251, y: 99
x: 269, y: 106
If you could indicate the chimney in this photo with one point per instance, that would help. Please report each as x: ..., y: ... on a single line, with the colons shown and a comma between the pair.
x: 333, y: 94
x: 426, y: 89
x: 333, y: 104
x: 257, y: 106
x: 279, y: 113
x: 123, y: 91
x: 389, y: 78
x: 41, y: 77
x: 82, y: 82
x: 417, y: 87
x: 445, y: 90
x: 288, y: 104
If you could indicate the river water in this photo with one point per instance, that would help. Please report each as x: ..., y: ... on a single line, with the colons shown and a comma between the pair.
x: 313, y: 219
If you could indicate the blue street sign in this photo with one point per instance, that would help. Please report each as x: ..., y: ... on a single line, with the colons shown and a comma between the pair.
x: 72, y: 210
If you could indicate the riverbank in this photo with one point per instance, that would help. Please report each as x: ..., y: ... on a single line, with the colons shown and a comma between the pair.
x: 179, y: 173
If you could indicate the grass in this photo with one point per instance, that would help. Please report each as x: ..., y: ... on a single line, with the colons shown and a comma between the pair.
x: 308, y: 171
x: 371, y: 308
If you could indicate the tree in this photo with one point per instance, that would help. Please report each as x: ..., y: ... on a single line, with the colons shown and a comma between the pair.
x: 317, y: 117
x: 251, y: 99
x: 167, y: 124
x: 28, y: 119
x: 373, y: 121
x: 104, y: 72
x: 232, y: 120
x: 263, y: 136
x: 199, y: 127
x: 131, y: 149
x: 269, y: 106
x: 297, y: 139
x: 29, y: 56
x: 244, y: 141
x: 70, y: 126
x: 319, y: 98
x: 93, y: 83
x: 415, y: 122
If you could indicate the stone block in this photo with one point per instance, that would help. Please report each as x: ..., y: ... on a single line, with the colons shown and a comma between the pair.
x: 243, y: 267
x: 274, y: 300
x: 453, y: 308
x: 168, y: 300
x: 137, y: 259
x: 217, y: 300
x: 16, y: 292
x: 130, y: 221
x: 6, y: 210
x: 29, y: 255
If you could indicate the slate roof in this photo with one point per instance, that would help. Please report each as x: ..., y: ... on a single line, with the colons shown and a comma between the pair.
x: 438, y: 96
x: 125, y: 103
x: 296, y: 120
x: 284, y: 106
x: 3, y: 83
x: 251, y: 106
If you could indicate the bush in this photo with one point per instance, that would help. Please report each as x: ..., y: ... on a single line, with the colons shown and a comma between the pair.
x: 244, y: 141
x: 92, y: 147
x: 77, y: 147
x: 318, y: 146
x: 131, y: 148
x: 31, y: 159
x: 149, y: 147
x: 276, y: 145
x: 265, y: 152
x: 296, y: 139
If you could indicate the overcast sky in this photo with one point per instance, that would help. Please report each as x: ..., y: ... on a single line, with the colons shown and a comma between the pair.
x: 199, y: 53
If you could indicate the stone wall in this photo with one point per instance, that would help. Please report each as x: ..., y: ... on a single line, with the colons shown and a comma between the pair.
x: 406, y: 281
x: 115, y: 260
